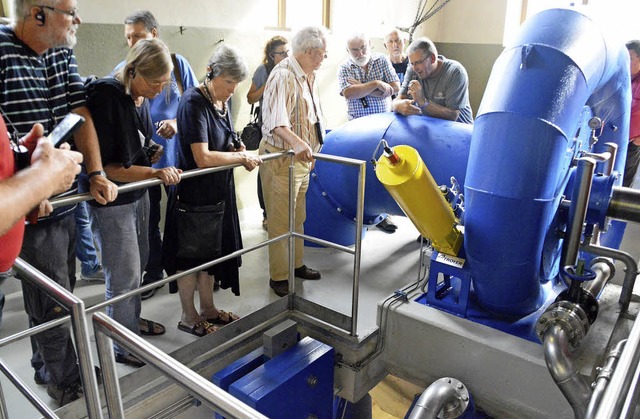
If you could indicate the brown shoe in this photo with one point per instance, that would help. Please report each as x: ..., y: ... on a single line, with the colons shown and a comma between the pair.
x: 305, y: 272
x: 281, y: 288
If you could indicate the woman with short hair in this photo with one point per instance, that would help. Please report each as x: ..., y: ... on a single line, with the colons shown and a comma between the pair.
x: 207, y: 139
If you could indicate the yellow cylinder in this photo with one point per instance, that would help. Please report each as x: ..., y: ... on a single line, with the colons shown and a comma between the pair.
x: 411, y: 185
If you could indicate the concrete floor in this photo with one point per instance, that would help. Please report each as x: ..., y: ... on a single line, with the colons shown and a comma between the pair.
x: 378, y: 279
x: 389, y: 261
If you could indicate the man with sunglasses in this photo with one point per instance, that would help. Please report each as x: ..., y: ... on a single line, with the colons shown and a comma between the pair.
x: 40, y: 84
x: 434, y: 85
x: 163, y: 108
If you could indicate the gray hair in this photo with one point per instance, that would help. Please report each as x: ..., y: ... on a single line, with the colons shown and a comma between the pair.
x: 423, y: 44
x: 22, y: 8
x: 226, y: 61
x: 309, y: 37
x: 634, y: 46
x: 358, y: 36
x: 145, y: 17
x: 150, y: 58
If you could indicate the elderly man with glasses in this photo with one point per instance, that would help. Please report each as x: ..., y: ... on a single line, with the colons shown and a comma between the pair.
x: 40, y: 84
x: 434, y: 85
x: 367, y: 81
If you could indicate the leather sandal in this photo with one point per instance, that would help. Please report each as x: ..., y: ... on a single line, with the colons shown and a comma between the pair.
x: 200, y: 329
x: 224, y: 317
x: 150, y: 328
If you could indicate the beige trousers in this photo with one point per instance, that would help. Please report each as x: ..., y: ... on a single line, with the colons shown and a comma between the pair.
x: 275, y: 188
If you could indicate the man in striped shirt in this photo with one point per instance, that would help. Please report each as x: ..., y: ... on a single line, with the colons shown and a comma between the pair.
x: 39, y: 83
x: 291, y: 119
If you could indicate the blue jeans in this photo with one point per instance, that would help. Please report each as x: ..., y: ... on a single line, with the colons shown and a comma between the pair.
x: 85, y: 247
x: 123, y: 237
x: 50, y: 248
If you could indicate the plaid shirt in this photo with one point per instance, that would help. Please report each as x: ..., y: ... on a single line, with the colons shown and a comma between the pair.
x: 379, y: 68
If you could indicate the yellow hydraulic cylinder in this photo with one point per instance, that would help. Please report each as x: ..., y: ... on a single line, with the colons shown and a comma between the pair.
x: 410, y: 183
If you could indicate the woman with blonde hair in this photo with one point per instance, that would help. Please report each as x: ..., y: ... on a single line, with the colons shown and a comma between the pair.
x: 120, y: 112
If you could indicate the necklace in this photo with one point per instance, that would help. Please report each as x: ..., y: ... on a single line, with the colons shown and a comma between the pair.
x: 220, y: 113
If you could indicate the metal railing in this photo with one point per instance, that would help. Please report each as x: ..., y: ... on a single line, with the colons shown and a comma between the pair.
x: 110, y: 330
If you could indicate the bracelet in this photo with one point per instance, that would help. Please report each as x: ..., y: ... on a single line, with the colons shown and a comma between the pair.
x: 96, y: 173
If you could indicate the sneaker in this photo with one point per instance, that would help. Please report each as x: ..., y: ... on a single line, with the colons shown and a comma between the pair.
x: 65, y: 394
x: 97, y: 275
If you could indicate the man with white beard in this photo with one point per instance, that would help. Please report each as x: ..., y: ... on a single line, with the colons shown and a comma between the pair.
x: 367, y: 81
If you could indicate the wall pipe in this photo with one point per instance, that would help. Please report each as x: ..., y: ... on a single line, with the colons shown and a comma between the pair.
x: 527, y: 123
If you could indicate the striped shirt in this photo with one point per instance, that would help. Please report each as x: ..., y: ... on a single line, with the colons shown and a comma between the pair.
x: 289, y: 102
x: 36, y: 88
x: 379, y: 68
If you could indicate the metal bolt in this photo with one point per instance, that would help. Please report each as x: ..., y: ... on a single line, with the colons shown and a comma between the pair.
x: 312, y: 381
x: 459, y: 386
x: 449, y: 380
x: 465, y: 398
x: 339, y: 209
x: 324, y: 193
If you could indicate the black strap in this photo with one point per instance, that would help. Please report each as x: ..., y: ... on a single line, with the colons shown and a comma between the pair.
x: 176, y: 72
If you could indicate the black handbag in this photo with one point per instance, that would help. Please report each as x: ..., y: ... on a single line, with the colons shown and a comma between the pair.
x: 199, y: 230
x: 252, y: 133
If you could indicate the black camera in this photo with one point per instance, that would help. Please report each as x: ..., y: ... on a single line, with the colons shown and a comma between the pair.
x: 150, y: 150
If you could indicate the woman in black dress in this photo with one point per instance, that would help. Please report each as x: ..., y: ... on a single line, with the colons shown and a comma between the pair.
x: 207, y: 139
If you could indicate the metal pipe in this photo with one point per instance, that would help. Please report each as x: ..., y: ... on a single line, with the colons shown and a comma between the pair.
x: 435, y: 398
x: 109, y: 374
x: 612, y: 149
x: 291, y: 240
x: 355, y: 293
x: 80, y: 330
x: 630, y: 274
x: 603, y: 379
x: 578, y: 209
x: 201, y: 388
x: 26, y: 392
x: 613, y: 400
x: 132, y: 186
x: 604, y: 270
x: 625, y: 204
x: 557, y: 355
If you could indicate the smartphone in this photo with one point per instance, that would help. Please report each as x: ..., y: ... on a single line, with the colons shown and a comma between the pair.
x: 65, y: 129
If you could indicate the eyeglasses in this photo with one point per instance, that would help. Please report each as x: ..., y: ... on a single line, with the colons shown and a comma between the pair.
x: 415, y: 63
x: 73, y: 12
x: 363, y: 49
x: 284, y: 53
x: 156, y: 84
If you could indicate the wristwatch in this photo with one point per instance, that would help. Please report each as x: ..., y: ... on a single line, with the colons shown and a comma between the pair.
x: 96, y: 173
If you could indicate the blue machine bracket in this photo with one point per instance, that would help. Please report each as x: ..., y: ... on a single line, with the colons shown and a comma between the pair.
x: 450, y: 267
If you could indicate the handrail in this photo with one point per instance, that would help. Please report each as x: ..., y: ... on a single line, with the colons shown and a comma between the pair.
x: 80, y: 331
x: 78, y: 310
x: 107, y: 330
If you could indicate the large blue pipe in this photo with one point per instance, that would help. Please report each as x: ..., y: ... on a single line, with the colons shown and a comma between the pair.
x: 523, y: 144
x: 331, y: 198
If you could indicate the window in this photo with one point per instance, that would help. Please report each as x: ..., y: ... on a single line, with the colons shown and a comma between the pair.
x: 299, y: 13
